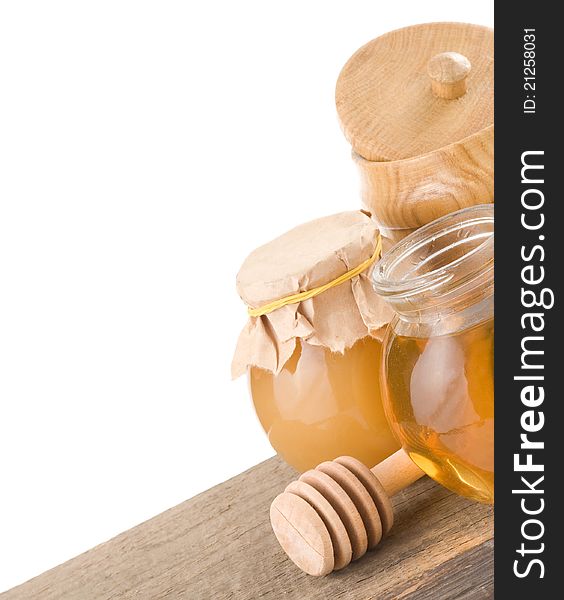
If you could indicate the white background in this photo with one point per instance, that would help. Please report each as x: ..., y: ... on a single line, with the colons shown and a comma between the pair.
x: 145, y: 149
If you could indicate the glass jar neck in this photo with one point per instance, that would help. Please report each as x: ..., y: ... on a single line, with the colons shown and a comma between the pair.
x: 443, y: 270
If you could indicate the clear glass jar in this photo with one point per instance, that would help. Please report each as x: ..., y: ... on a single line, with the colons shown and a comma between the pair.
x: 325, y: 404
x: 438, y: 385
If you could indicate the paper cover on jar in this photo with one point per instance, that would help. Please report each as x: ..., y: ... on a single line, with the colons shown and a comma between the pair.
x: 306, y: 257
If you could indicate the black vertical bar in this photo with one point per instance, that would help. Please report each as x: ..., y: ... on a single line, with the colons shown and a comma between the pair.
x: 529, y: 359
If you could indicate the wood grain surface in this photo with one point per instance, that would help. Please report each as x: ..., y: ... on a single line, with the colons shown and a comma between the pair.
x: 403, y: 195
x: 416, y: 105
x: 219, y: 545
x: 384, y: 96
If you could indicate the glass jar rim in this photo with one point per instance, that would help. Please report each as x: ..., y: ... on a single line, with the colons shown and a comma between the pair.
x: 407, y: 271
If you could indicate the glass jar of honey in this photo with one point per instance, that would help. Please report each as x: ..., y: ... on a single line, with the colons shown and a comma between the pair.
x: 438, y: 385
x: 312, y: 362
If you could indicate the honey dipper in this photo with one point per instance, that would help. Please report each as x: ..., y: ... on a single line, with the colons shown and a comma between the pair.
x: 338, y: 511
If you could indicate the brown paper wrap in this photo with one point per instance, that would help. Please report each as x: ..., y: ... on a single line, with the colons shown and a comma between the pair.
x: 308, y: 256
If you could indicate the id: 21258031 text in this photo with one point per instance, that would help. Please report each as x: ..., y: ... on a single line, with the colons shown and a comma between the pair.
x: 529, y: 71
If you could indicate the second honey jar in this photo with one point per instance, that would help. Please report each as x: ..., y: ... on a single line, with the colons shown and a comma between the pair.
x: 438, y: 353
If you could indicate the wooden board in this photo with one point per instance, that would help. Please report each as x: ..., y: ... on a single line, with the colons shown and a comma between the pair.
x: 219, y: 545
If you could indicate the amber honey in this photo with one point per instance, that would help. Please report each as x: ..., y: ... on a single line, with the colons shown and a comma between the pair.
x: 439, y: 397
x: 324, y: 404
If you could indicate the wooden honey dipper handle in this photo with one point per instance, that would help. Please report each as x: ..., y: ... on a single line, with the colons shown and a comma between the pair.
x: 336, y: 512
x: 397, y: 472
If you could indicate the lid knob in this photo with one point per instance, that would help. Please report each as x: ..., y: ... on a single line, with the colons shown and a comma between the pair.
x: 448, y: 72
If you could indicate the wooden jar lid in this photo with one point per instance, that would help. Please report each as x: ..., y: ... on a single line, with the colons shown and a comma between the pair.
x: 417, y: 89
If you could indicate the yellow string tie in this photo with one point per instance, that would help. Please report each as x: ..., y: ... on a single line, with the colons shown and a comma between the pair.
x: 301, y: 296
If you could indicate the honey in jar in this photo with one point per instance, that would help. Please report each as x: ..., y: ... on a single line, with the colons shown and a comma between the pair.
x: 323, y: 404
x: 438, y: 352
x: 313, y: 365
